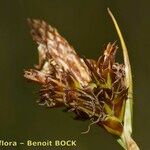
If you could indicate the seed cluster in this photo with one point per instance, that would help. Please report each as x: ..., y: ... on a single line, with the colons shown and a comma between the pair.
x: 92, y: 89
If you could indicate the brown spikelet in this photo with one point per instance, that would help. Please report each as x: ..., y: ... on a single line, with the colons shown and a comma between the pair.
x: 79, y: 83
x: 53, y: 46
x: 92, y: 89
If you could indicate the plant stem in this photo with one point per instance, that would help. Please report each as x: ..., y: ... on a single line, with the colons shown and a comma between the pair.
x: 127, y: 131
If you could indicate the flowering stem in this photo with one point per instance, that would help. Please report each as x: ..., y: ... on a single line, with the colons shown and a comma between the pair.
x: 127, y: 131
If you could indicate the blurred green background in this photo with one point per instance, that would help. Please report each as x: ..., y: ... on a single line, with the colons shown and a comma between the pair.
x: 87, y: 26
